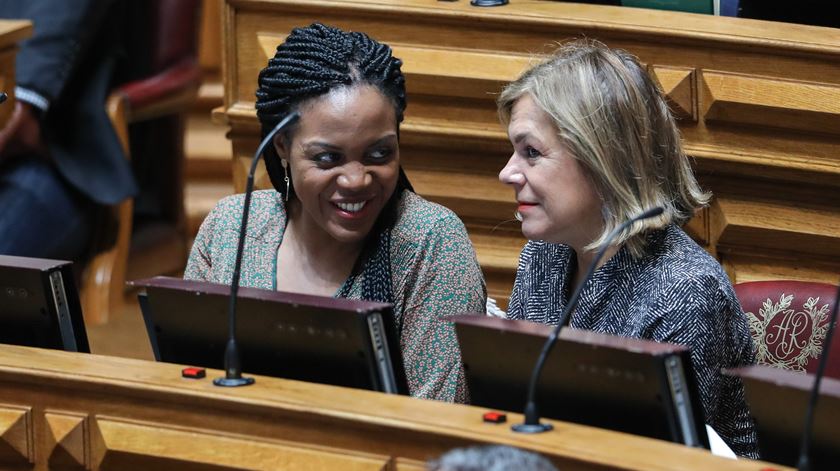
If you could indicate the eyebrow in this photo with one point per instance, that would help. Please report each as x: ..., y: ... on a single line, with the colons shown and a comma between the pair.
x: 517, y: 138
x: 383, y: 139
x: 326, y: 145
x: 320, y: 144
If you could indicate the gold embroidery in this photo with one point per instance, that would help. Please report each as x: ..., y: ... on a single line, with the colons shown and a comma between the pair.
x: 786, y: 343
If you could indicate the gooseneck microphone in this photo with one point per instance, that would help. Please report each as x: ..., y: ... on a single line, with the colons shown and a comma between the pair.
x: 233, y: 368
x: 804, y: 463
x: 532, y: 416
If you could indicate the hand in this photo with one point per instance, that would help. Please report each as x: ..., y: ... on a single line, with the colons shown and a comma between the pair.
x: 22, y: 133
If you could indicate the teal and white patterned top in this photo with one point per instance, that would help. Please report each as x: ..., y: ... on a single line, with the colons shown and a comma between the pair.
x: 434, y: 273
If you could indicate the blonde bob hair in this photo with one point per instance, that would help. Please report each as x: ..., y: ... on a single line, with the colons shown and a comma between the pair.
x: 614, y: 120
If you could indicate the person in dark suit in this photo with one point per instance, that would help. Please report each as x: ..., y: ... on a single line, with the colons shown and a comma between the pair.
x: 61, y: 162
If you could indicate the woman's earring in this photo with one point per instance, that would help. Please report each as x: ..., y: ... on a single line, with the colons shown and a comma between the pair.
x: 285, y: 166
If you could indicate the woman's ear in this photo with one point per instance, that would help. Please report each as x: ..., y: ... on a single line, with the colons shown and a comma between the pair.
x: 281, y: 145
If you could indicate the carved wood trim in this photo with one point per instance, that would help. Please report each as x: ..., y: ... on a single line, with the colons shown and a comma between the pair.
x: 679, y: 84
x: 67, y: 440
x: 129, y: 443
x: 404, y: 464
x: 772, y: 102
x: 16, y: 435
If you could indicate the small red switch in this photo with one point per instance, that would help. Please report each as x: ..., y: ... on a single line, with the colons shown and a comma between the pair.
x: 193, y: 373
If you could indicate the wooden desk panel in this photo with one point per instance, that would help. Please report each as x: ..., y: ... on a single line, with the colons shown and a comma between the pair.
x: 62, y: 410
x: 757, y: 104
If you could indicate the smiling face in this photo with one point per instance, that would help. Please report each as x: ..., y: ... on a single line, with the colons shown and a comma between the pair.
x: 556, y: 199
x: 344, y: 160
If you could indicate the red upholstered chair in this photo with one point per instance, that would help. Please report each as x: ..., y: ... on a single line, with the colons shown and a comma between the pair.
x: 149, y: 113
x: 788, y: 322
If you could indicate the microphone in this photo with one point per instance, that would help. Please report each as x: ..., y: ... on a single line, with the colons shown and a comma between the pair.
x: 804, y: 463
x: 233, y: 368
x: 532, y: 416
x: 488, y: 3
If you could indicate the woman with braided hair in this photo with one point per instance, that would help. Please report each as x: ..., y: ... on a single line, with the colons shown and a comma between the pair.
x: 344, y: 220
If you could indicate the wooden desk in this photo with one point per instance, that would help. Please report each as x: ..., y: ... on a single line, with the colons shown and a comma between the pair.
x: 63, y: 410
x: 11, y: 33
x: 758, y: 105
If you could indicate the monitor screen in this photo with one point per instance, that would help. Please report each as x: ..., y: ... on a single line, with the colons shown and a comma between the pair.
x: 39, y: 304
x: 630, y: 385
x: 778, y: 400
x: 334, y: 341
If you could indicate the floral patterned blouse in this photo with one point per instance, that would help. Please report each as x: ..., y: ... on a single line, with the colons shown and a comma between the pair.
x: 434, y: 273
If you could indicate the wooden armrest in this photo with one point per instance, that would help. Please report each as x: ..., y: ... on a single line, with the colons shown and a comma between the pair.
x: 168, y: 92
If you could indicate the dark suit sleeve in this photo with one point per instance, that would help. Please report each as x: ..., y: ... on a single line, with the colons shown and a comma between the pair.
x: 64, y: 30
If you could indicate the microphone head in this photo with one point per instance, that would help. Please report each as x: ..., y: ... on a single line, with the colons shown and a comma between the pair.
x: 517, y: 215
x: 653, y: 212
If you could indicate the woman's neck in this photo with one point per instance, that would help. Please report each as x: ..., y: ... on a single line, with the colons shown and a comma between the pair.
x: 310, y: 260
x: 585, y: 259
x: 314, y: 239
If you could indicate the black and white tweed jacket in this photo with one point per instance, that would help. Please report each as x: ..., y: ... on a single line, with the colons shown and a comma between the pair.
x: 675, y: 293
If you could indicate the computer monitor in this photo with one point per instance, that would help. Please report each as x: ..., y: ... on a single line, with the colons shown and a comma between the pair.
x: 691, y: 6
x: 39, y: 305
x: 630, y: 385
x: 778, y: 399
x: 326, y: 340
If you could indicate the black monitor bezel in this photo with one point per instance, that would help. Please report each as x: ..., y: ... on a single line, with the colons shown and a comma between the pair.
x: 23, y: 270
x: 778, y: 399
x: 196, y: 298
x: 500, y: 381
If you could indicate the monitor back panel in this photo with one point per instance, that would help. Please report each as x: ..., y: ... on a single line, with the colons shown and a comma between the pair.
x: 778, y: 400
x: 39, y: 305
x: 278, y: 334
x: 588, y: 378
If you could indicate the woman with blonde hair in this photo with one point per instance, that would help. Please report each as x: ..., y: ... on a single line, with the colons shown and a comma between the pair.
x: 595, y: 145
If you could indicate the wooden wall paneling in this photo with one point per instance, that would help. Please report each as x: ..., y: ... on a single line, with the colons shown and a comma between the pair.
x: 401, y: 464
x: 679, y: 84
x: 143, y: 415
x: 756, y: 104
x: 210, y: 37
x: 772, y: 103
x: 139, y: 445
x: 16, y: 435
x: 67, y: 440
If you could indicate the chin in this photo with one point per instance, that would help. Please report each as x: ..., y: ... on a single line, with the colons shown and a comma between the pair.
x: 533, y: 233
x: 347, y: 236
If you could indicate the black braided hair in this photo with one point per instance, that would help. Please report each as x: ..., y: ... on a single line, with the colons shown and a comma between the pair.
x: 313, y: 61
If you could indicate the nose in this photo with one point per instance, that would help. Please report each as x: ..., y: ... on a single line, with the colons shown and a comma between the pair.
x: 354, y: 177
x: 511, y: 173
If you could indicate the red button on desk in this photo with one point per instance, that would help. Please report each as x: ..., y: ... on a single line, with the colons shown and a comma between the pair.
x: 193, y: 373
x: 495, y: 417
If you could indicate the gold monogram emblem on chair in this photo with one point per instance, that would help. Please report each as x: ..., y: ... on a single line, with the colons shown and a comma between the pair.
x: 788, y: 338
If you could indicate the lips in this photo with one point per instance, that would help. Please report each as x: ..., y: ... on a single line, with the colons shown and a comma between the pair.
x: 525, y: 205
x: 351, y: 207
